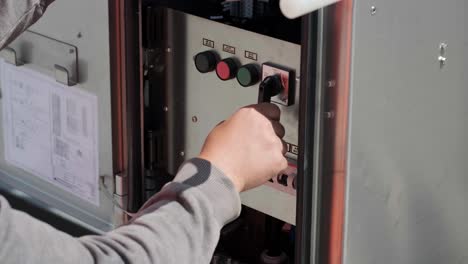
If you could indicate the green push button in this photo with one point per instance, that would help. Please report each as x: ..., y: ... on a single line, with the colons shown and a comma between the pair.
x: 248, y: 75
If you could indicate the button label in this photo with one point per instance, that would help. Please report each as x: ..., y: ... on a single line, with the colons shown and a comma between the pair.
x: 293, y: 149
x: 250, y: 55
x: 208, y: 43
x: 229, y: 49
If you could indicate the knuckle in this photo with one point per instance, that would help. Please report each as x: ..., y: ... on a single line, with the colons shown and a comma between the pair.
x: 270, y: 143
x: 284, y: 149
x: 281, y: 130
x: 278, y: 144
x: 264, y: 123
x: 275, y: 108
x: 243, y: 111
x: 284, y: 163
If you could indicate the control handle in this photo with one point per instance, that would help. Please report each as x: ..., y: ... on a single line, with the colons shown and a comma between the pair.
x: 269, y: 87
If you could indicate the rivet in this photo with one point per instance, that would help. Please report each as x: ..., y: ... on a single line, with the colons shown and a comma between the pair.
x: 194, y: 119
x: 168, y: 50
x: 165, y: 109
x: 373, y: 10
x: 182, y: 153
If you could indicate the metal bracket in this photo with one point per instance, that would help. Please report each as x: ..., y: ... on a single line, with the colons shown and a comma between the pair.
x: 10, y: 56
x: 62, y: 76
x: 49, y: 56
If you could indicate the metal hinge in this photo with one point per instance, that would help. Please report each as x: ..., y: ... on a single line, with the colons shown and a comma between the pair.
x: 120, y: 198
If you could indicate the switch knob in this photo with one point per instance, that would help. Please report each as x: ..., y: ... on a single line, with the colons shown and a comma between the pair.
x: 248, y: 75
x: 226, y: 69
x: 205, y: 61
x: 283, y: 179
x: 269, y: 87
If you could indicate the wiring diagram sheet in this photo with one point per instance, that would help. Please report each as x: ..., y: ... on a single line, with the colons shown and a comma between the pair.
x: 50, y: 130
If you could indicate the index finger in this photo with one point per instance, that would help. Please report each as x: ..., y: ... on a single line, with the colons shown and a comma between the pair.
x: 269, y: 110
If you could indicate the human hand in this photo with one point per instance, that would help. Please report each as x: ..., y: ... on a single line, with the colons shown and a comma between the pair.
x: 248, y: 147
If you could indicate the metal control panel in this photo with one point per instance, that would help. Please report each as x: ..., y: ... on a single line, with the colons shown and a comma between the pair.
x: 214, y: 69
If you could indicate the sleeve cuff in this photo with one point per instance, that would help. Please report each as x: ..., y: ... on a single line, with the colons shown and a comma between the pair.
x: 215, y: 185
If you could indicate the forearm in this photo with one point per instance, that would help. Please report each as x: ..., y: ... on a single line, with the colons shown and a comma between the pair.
x: 17, y: 15
x: 181, y: 225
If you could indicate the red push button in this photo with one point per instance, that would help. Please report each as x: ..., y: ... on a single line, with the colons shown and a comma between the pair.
x: 226, y: 69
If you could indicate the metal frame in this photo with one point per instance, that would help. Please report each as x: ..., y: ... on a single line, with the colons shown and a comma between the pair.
x: 126, y: 103
x: 323, y: 134
x: 310, y: 126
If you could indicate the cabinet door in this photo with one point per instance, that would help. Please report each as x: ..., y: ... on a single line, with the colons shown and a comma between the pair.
x: 408, y: 134
x: 84, y: 26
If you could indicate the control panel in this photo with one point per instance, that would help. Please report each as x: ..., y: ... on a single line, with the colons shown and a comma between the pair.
x: 218, y: 69
x: 286, y: 180
x: 277, y: 86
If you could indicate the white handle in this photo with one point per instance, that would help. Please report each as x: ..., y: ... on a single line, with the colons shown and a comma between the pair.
x: 296, y: 8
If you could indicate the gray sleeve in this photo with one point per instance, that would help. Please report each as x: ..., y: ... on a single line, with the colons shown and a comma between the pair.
x: 181, y: 224
x: 17, y: 15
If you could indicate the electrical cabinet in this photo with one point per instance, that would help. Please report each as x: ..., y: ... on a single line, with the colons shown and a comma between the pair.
x: 372, y: 99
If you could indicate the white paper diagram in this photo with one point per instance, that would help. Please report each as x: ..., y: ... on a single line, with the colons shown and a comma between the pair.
x: 50, y: 130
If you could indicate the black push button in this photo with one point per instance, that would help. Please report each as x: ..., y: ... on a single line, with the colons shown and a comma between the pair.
x: 206, y: 61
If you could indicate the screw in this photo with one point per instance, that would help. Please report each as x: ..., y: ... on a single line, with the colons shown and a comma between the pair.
x: 182, y: 153
x: 442, y: 58
x: 194, y: 119
x: 331, y: 83
x: 165, y: 109
x: 329, y: 115
x: 442, y: 61
x: 373, y: 10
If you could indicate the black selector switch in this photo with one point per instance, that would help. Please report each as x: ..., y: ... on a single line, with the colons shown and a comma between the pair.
x: 269, y: 87
x: 206, y: 61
